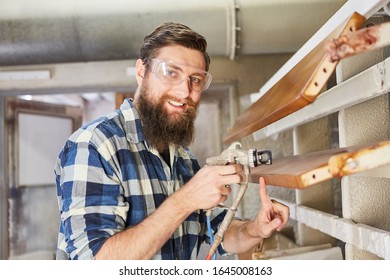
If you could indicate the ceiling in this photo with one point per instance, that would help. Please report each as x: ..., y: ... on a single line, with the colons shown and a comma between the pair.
x: 57, y: 31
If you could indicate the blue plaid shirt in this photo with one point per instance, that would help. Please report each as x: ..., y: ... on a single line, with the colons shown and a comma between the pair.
x: 108, y: 179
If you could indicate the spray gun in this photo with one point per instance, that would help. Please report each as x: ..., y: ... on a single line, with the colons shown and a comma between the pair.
x: 234, y: 154
x: 249, y: 159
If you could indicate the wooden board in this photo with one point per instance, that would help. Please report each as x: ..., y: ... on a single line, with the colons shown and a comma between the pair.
x: 298, y: 88
x: 370, y: 38
x: 303, y: 171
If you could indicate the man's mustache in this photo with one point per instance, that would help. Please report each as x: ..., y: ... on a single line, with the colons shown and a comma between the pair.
x: 187, y: 100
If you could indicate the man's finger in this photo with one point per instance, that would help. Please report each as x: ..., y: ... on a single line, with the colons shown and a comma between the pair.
x: 229, y: 169
x: 223, y: 198
x: 264, y: 198
x: 283, y: 212
x: 269, y: 228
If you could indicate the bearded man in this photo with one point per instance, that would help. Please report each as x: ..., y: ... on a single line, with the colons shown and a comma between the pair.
x: 128, y: 186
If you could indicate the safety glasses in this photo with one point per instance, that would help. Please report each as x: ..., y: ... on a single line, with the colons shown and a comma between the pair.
x: 173, y: 73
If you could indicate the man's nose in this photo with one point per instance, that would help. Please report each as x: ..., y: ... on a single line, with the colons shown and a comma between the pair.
x: 184, y: 88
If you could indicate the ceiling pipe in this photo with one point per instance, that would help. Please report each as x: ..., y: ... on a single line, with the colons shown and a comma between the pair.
x: 76, y: 31
x: 56, y: 31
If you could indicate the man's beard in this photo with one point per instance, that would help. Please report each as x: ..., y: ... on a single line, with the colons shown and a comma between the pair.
x: 162, y: 129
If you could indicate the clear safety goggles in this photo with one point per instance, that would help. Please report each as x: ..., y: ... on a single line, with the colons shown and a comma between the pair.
x: 173, y: 73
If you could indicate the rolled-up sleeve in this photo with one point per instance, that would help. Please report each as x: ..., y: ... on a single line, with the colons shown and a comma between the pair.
x: 90, y: 197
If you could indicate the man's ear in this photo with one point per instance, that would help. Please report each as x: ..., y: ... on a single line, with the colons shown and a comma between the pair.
x: 139, y: 71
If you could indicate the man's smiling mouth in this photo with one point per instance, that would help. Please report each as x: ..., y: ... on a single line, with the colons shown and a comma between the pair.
x: 175, y: 103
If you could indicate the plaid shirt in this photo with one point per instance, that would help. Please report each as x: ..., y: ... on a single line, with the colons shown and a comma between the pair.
x: 108, y: 179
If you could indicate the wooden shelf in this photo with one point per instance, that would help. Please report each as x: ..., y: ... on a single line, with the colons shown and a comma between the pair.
x: 303, y: 171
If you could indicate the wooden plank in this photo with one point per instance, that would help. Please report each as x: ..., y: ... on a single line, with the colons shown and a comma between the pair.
x: 365, y: 8
x: 374, y: 37
x: 303, y: 171
x: 368, y: 84
x: 298, y: 88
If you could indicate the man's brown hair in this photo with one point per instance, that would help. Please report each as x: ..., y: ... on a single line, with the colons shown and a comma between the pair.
x: 171, y: 33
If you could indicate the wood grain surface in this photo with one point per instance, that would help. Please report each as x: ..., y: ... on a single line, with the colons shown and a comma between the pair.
x: 303, y: 171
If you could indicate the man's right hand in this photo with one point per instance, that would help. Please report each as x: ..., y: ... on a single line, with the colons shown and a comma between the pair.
x: 210, y: 186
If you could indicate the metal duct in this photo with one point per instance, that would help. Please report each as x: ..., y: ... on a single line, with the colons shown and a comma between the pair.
x: 57, y: 31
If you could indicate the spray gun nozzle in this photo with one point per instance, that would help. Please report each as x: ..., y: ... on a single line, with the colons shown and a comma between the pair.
x: 259, y: 157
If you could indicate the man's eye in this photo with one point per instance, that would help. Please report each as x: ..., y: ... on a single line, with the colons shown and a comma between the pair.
x: 196, y: 80
x: 171, y: 73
